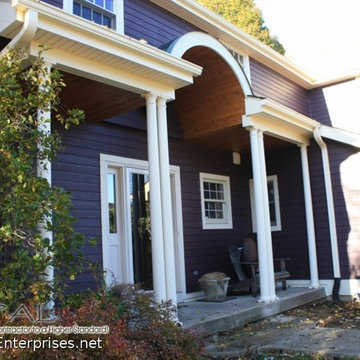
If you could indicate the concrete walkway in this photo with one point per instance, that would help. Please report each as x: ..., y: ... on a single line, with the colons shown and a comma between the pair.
x: 289, y: 335
x: 212, y: 317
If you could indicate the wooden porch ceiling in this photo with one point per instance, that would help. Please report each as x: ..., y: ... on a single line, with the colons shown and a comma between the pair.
x: 214, y: 102
x: 99, y: 101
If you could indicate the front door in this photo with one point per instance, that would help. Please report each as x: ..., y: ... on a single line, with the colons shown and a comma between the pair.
x: 126, y: 235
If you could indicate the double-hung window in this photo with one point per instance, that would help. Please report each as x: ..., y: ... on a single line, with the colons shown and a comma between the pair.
x: 215, y: 201
x: 274, y: 203
x: 102, y: 12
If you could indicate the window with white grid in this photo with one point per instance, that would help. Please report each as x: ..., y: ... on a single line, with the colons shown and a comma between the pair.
x: 215, y: 201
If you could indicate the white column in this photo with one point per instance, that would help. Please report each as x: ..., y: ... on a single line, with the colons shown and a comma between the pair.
x: 44, y: 171
x: 269, y: 249
x: 167, y: 213
x: 265, y: 295
x: 157, y: 240
x: 314, y: 276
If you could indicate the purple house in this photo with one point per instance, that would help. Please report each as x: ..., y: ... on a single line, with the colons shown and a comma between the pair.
x: 212, y: 132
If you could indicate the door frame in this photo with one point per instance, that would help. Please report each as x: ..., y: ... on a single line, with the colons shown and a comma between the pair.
x: 122, y: 164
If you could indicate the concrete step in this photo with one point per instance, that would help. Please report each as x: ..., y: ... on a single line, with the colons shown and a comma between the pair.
x: 212, y: 317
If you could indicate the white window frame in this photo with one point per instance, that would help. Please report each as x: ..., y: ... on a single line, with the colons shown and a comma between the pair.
x: 276, y: 227
x: 226, y: 222
x: 118, y: 11
x: 242, y: 59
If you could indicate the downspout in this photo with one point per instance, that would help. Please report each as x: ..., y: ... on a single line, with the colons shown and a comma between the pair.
x: 27, y: 32
x: 331, y: 213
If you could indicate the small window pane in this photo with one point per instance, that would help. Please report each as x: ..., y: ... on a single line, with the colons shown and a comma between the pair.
x: 107, y: 21
x: 99, y: 3
x: 86, y: 13
x: 109, y: 5
x: 112, y: 203
x: 77, y: 9
x: 97, y: 17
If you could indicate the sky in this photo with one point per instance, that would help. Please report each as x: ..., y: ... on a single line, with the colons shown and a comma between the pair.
x: 322, y: 36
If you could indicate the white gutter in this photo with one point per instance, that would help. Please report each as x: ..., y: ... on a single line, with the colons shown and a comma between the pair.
x: 330, y: 203
x: 27, y: 32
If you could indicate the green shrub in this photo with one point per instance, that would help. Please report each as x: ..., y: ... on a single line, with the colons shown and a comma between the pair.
x: 28, y: 88
x: 140, y: 328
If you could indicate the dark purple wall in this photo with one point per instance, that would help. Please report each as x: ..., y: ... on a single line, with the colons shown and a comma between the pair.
x: 318, y: 107
x: 291, y: 241
x: 145, y: 20
x: 77, y: 170
x: 268, y: 83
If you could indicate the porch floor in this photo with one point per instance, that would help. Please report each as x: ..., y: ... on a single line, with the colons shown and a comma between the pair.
x: 212, y: 317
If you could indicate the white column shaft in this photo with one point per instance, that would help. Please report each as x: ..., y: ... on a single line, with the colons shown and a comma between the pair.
x: 269, y: 249
x: 260, y: 219
x: 167, y: 209
x: 44, y: 171
x: 157, y: 241
x: 314, y: 276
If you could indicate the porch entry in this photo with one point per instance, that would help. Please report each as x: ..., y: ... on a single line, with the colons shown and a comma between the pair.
x: 126, y: 235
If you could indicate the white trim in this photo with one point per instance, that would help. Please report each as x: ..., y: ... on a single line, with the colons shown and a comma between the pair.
x: 276, y: 227
x: 278, y: 120
x: 226, y: 222
x: 196, y: 38
x: 152, y: 69
x: 348, y: 287
x: 123, y: 163
x: 343, y: 136
x: 208, y: 21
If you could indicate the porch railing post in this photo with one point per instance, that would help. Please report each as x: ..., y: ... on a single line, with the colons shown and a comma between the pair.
x: 314, y: 276
x: 167, y: 210
x: 157, y: 239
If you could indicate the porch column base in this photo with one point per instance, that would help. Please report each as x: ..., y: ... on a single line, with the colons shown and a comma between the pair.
x: 267, y: 300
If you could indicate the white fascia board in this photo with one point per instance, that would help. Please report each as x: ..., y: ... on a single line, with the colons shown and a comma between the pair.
x: 278, y: 120
x: 60, y: 23
x: 340, y: 135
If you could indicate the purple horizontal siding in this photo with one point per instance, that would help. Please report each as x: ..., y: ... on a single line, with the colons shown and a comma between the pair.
x: 291, y: 241
x: 338, y: 153
x: 77, y: 170
x: 270, y: 84
x: 145, y: 20
x: 318, y: 107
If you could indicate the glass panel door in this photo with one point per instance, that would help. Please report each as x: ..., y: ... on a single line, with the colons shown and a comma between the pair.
x: 139, y: 200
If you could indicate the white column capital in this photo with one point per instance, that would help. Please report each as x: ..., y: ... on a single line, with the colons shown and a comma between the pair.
x: 149, y: 97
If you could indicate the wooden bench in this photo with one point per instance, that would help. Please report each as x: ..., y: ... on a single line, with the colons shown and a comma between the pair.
x: 280, y: 275
x: 249, y: 269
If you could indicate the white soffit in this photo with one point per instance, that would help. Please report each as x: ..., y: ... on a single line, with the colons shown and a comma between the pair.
x: 85, y: 48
